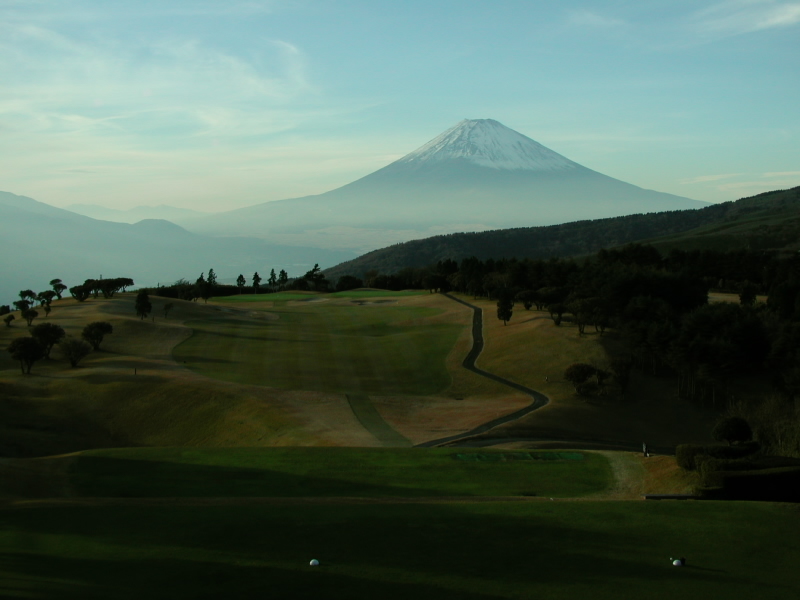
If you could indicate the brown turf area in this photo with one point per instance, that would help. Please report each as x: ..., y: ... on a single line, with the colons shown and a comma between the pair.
x: 134, y: 393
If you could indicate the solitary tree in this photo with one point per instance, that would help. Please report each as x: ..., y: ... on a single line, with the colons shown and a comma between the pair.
x: 7, y: 319
x: 505, y: 307
x: 747, y: 297
x: 283, y: 279
x: 143, y: 306
x: 212, y: 278
x: 95, y: 332
x: 74, y: 349
x: 80, y: 292
x: 621, y: 368
x: 241, y: 282
x: 29, y: 315
x: 256, y: 282
x: 58, y: 287
x: 578, y: 374
x: 528, y: 298
x: 22, y: 305
x: 732, y: 429
x: 27, y: 351
x: 556, y: 312
x: 167, y: 307
x: 48, y: 335
x: 45, y: 297
x: 273, y: 280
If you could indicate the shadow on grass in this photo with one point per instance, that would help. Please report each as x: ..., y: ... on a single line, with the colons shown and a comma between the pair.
x: 31, y: 428
x: 102, y: 476
x: 368, y: 551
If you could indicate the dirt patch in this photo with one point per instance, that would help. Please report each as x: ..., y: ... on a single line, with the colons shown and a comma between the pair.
x: 424, y: 418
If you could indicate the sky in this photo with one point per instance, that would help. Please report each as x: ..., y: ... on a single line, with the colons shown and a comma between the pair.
x: 216, y: 105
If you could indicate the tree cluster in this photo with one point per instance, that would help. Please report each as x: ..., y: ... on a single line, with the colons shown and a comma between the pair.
x: 95, y: 287
x: 45, y: 336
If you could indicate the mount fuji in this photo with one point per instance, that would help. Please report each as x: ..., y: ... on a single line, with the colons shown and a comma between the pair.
x: 477, y: 175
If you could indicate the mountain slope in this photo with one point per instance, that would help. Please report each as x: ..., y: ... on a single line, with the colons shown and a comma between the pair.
x: 769, y: 221
x: 136, y: 214
x: 39, y: 242
x: 476, y: 176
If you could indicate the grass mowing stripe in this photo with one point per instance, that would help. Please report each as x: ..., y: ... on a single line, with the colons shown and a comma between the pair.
x: 328, y: 472
x: 372, y: 421
x: 495, y: 550
x: 373, y: 350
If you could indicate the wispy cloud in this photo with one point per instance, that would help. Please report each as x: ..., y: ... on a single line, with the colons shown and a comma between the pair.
x: 168, y: 88
x: 707, y: 178
x: 782, y: 174
x: 587, y: 18
x: 735, y: 17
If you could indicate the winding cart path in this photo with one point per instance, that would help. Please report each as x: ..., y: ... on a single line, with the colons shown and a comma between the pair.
x: 539, y: 399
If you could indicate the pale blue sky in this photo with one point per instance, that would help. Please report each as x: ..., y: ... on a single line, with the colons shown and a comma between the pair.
x: 215, y: 105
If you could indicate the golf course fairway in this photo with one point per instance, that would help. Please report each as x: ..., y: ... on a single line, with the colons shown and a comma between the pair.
x: 438, y: 551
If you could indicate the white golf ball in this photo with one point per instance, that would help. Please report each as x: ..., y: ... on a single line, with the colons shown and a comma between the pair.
x: 677, y: 562
x: 314, y: 562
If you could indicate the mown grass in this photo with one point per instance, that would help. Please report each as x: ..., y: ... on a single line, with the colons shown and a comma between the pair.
x: 368, y: 349
x: 287, y: 296
x: 325, y: 472
x: 478, y: 551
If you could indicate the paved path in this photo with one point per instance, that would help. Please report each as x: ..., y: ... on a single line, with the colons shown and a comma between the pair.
x: 368, y: 416
x: 539, y: 399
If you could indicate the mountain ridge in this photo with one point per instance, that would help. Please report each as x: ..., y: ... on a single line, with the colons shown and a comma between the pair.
x: 445, y: 186
x: 45, y: 242
x: 769, y: 221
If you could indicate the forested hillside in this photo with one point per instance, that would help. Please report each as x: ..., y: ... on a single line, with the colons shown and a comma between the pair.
x: 767, y: 221
x: 723, y: 354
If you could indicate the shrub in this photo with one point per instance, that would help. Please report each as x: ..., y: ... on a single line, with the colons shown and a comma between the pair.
x: 685, y: 455
x: 578, y: 373
x: 732, y: 429
x: 775, y: 485
x: 74, y: 349
x: 733, y: 452
x: 95, y: 332
x: 715, y: 472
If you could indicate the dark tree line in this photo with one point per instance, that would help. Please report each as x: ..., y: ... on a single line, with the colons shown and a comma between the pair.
x: 207, y: 286
x: 658, y: 304
x: 95, y: 287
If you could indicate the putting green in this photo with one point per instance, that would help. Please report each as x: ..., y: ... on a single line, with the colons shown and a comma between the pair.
x: 377, y: 350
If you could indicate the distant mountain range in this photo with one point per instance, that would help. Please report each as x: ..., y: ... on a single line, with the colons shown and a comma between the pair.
x: 39, y: 242
x: 476, y: 176
x: 769, y: 222
x: 136, y: 214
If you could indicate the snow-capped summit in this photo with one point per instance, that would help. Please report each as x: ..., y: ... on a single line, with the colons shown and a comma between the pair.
x: 487, y: 143
x: 475, y: 176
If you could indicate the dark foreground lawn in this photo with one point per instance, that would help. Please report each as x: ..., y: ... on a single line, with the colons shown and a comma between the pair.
x: 467, y: 551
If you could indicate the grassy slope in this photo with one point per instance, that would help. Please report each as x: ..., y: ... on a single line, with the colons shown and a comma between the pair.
x: 133, y: 393
x: 336, y: 347
x: 326, y: 472
x: 230, y: 548
x: 310, y: 296
x: 531, y: 348
x: 565, y: 550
